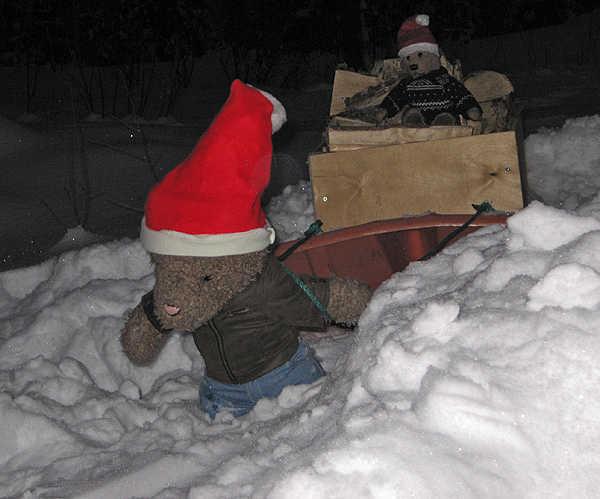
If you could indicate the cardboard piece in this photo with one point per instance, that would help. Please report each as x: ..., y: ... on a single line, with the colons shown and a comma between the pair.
x: 442, y: 176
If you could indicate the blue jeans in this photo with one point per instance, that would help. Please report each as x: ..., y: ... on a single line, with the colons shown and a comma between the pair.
x: 301, y: 369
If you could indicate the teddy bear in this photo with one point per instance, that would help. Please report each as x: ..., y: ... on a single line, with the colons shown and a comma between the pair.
x: 428, y: 95
x: 217, y: 276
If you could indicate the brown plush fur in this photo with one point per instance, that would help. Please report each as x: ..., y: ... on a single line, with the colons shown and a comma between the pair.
x: 140, y: 340
x: 419, y: 63
x: 347, y: 300
x: 200, y: 286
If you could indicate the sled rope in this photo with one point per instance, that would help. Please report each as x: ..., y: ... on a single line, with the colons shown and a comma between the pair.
x: 314, y: 228
x: 309, y: 293
x: 484, y: 207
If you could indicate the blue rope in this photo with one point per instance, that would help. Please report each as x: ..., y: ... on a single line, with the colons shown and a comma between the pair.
x: 315, y: 228
x: 310, y: 294
x: 484, y: 207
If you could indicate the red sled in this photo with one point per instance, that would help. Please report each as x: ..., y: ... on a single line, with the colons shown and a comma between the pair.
x: 373, y: 251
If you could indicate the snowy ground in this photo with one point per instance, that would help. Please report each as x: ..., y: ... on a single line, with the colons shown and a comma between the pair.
x: 474, y: 374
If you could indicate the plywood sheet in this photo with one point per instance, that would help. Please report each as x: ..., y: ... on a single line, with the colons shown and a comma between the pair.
x: 346, y: 140
x: 440, y: 176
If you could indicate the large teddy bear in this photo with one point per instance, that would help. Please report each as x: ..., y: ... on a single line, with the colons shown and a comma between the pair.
x: 216, y: 274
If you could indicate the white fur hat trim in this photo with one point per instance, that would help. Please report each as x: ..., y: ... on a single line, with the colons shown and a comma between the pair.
x: 170, y: 242
x: 422, y: 20
x: 432, y: 48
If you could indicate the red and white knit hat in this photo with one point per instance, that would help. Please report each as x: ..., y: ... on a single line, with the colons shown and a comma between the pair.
x: 414, y: 36
x: 209, y: 205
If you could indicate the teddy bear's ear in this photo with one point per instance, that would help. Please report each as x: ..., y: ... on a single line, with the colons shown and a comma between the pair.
x: 140, y: 338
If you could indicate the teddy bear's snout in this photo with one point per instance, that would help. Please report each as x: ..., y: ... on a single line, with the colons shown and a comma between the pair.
x: 414, y: 67
x: 171, y: 309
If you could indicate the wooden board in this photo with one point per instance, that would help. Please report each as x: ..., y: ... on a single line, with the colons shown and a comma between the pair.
x: 388, y: 69
x: 440, y: 176
x: 348, y: 140
x: 488, y: 85
x: 346, y: 84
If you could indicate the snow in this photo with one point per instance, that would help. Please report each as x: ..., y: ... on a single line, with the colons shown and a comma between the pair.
x: 473, y: 374
x: 560, y: 162
x: 292, y: 212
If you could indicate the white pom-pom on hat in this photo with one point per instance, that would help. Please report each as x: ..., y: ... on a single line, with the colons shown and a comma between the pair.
x: 422, y: 19
x: 279, y: 115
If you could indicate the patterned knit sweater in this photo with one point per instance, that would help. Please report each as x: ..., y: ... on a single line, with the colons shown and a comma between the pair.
x: 432, y: 93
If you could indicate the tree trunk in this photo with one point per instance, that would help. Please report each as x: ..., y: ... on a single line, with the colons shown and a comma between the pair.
x: 365, y: 39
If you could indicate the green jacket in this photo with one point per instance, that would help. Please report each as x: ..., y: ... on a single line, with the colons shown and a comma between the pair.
x: 257, y: 331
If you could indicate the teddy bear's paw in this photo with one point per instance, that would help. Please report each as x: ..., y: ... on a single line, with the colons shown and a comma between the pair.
x: 413, y: 117
x: 141, y: 341
x: 444, y: 119
x: 347, y: 300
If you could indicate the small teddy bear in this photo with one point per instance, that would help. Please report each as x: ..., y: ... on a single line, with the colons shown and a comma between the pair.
x: 216, y: 274
x: 430, y: 96
x: 423, y: 94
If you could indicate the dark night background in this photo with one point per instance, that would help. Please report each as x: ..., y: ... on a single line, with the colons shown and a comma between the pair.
x: 88, y: 32
x: 91, y: 88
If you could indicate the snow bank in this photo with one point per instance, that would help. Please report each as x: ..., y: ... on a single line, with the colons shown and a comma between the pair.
x: 474, y: 374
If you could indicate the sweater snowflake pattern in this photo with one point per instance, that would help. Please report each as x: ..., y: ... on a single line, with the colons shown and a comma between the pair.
x: 432, y: 93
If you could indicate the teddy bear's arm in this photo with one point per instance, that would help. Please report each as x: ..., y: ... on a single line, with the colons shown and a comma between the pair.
x: 396, y: 100
x: 347, y: 299
x: 343, y: 299
x: 140, y: 338
x: 465, y: 103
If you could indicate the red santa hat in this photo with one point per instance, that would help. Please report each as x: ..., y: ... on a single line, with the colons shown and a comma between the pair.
x: 210, y: 205
x: 414, y: 36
